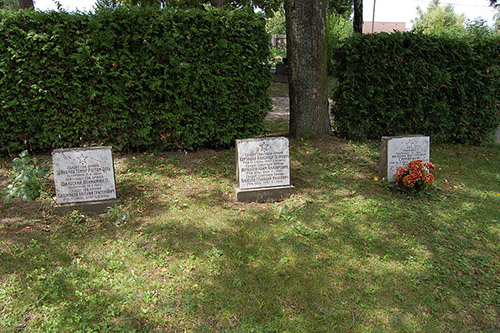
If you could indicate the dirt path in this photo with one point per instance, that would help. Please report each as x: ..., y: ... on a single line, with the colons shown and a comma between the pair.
x: 281, y: 109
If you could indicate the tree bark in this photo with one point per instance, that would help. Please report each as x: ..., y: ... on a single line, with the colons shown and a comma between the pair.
x: 26, y: 4
x: 306, y: 52
x: 358, y: 16
x: 216, y: 3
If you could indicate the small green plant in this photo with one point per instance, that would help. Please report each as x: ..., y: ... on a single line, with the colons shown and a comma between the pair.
x: 303, y: 230
x: 287, y: 213
x: 76, y: 217
x: 24, y: 178
x: 118, y: 215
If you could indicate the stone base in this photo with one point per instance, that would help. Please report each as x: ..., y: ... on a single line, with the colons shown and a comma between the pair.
x: 92, y: 207
x: 263, y: 194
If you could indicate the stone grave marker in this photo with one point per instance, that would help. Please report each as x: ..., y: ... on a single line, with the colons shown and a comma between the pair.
x: 263, y: 169
x: 84, y: 179
x: 398, y: 151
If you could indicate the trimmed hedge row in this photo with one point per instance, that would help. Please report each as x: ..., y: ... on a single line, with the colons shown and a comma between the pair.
x: 134, y: 79
x: 406, y: 83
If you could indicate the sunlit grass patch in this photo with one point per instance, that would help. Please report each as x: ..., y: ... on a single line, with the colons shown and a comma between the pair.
x: 342, y: 253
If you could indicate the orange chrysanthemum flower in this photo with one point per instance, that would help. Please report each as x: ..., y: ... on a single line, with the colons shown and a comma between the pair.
x: 416, y: 175
x: 416, y: 165
x: 428, y: 179
x: 401, y: 171
x: 409, y: 181
x: 429, y: 166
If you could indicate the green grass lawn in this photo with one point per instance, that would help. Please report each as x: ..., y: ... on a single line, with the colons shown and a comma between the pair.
x: 344, y: 253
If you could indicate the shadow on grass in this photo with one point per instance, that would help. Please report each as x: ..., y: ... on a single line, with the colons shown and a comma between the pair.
x: 349, y: 255
x: 55, y: 288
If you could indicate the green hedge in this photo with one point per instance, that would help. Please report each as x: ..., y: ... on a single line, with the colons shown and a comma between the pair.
x: 134, y: 79
x: 405, y: 83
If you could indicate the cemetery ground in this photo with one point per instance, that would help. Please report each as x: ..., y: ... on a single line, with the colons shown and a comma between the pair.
x: 343, y: 253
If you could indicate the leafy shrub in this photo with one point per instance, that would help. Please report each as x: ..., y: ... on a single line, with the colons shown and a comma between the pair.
x: 338, y: 29
x: 405, y: 83
x: 131, y: 78
x: 24, y: 178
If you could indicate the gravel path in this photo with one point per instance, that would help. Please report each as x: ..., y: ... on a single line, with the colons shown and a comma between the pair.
x: 281, y: 110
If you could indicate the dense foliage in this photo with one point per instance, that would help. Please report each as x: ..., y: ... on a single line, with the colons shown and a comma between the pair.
x: 437, y: 20
x: 266, y: 6
x: 340, y: 7
x: 9, y: 4
x: 277, y: 23
x: 131, y: 78
x: 405, y: 83
x: 338, y: 29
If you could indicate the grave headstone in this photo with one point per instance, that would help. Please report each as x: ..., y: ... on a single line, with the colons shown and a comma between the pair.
x: 84, y: 179
x: 263, y: 169
x: 398, y: 151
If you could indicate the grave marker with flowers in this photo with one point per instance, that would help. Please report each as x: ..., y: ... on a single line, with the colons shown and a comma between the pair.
x: 398, y: 151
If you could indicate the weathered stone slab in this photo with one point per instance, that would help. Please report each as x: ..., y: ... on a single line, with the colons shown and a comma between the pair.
x: 264, y: 194
x: 84, y: 175
x: 262, y: 167
x: 262, y: 162
x: 398, y: 151
x: 94, y: 207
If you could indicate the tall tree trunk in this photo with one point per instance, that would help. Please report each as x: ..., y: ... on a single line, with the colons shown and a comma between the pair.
x: 26, y: 4
x: 216, y: 3
x: 306, y: 45
x: 358, y: 16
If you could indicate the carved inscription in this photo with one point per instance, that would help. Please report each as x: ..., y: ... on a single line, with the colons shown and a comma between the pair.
x: 84, y: 174
x: 263, y: 162
x: 401, y: 151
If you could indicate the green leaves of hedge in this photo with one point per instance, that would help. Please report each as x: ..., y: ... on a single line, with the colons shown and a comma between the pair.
x: 131, y: 78
x: 405, y: 83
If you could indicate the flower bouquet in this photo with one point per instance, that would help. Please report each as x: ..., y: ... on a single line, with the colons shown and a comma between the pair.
x: 416, y: 175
